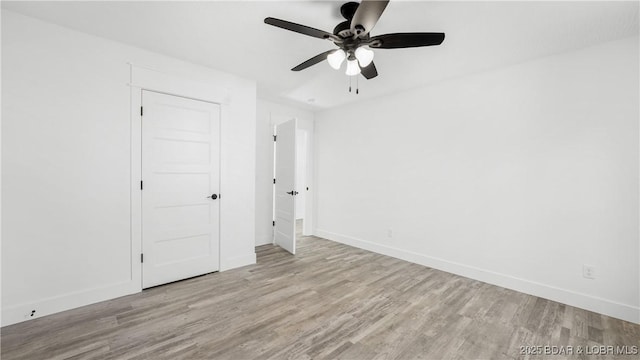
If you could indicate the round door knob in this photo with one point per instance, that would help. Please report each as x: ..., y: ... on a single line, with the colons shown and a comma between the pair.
x: 214, y: 196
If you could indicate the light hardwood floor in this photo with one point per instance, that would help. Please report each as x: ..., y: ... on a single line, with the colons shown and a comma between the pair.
x: 330, y: 301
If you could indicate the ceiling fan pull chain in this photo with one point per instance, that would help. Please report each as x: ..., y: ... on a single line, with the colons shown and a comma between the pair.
x: 357, y: 84
x: 349, y: 83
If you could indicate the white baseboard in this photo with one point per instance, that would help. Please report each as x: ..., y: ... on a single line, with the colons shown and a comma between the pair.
x: 580, y: 300
x: 21, y: 312
x: 237, y: 262
x: 264, y: 241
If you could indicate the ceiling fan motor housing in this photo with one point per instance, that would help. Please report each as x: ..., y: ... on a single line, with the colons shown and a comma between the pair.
x: 343, y: 29
x: 349, y: 9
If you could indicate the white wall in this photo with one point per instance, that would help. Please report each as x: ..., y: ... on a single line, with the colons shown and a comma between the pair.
x: 515, y: 177
x: 66, y: 166
x: 1, y: 107
x: 270, y: 114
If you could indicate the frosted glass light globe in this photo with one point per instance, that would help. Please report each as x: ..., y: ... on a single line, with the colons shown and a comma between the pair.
x: 352, y: 67
x: 336, y: 58
x: 364, y: 56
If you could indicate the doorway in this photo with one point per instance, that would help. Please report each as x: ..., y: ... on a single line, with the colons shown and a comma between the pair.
x: 300, y: 160
x: 284, y: 189
x: 180, y: 188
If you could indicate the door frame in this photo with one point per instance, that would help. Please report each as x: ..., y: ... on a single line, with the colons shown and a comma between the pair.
x: 142, y: 78
x: 307, y: 126
x: 301, y: 185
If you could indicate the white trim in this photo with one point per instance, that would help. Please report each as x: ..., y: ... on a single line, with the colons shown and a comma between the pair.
x: 308, y: 223
x: 19, y: 313
x: 265, y: 241
x: 238, y: 261
x: 580, y: 300
x: 638, y: 254
x: 162, y: 82
x: 273, y: 175
x: 136, y: 195
x: 147, y: 79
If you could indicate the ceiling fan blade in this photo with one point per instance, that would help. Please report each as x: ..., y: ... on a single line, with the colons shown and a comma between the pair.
x: 302, y: 29
x: 366, y: 16
x: 406, y: 40
x: 314, y: 60
x: 369, y: 71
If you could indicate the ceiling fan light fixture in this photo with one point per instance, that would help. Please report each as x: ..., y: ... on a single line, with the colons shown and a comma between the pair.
x: 353, y: 39
x: 352, y: 67
x: 336, y: 58
x: 364, y: 56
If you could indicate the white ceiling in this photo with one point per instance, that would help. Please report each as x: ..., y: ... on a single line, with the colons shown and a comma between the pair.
x: 232, y: 37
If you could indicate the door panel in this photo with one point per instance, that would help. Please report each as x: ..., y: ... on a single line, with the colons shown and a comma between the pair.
x: 285, y: 206
x: 180, y: 170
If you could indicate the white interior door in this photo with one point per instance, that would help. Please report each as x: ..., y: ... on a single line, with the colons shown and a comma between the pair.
x: 180, y: 188
x: 285, y: 188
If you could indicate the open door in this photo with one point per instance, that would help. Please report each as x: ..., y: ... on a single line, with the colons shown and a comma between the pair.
x: 285, y: 187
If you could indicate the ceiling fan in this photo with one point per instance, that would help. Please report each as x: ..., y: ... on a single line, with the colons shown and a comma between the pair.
x: 354, y: 41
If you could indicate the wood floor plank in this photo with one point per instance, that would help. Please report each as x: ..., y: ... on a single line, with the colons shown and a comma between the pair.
x: 330, y: 301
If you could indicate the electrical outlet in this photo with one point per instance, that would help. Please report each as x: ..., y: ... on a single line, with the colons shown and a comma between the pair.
x: 389, y: 233
x: 588, y: 271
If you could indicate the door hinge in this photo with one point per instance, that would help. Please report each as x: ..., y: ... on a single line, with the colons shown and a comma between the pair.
x: 141, y: 111
x: 141, y: 258
x: 141, y: 185
x: 274, y: 137
x: 274, y: 223
x: 274, y: 181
